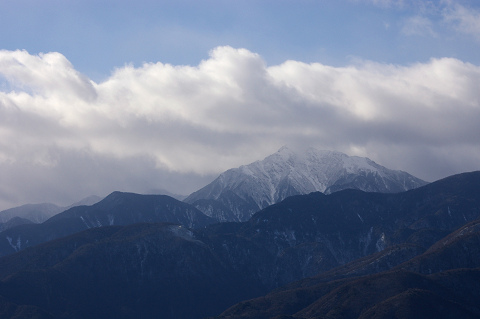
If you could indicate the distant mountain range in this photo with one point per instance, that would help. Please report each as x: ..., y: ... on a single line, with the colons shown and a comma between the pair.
x: 13, y: 222
x: 349, y: 254
x: 240, y: 192
x: 116, y: 209
x: 38, y: 213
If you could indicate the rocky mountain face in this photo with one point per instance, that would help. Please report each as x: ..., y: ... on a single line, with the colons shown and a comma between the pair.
x: 116, y: 209
x: 240, y: 192
x: 405, y: 242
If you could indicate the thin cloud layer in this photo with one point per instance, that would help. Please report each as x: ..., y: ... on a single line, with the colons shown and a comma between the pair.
x: 425, y: 17
x: 420, y: 26
x: 63, y: 136
x: 466, y: 20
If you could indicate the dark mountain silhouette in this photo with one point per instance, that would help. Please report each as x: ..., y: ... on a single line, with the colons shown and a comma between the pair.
x: 170, y: 271
x: 460, y: 249
x: 400, y: 294
x: 11, y: 310
x: 135, y: 271
x: 449, y: 290
x: 314, y: 233
x: 15, y: 221
x: 116, y: 209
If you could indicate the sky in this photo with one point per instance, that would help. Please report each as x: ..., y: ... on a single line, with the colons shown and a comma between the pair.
x: 145, y: 96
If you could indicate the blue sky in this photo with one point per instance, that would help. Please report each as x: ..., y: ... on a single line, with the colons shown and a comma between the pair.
x: 97, y: 96
x: 97, y: 36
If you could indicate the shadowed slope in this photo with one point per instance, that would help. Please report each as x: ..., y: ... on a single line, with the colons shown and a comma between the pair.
x: 116, y: 209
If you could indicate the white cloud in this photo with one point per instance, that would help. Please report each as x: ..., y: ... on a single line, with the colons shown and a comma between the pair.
x: 62, y: 136
x: 466, y: 20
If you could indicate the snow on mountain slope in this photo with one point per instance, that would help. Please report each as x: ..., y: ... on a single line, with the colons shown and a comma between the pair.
x: 238, y: 193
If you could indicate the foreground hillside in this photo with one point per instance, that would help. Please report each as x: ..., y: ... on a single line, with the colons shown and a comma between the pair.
x: 345, y: 248
x: 443, y: 282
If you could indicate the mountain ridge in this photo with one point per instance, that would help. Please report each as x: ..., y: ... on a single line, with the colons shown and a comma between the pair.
x: 38, y: 213
x: 239, y: 192
x: 163, y: 270
x: 118, y: 208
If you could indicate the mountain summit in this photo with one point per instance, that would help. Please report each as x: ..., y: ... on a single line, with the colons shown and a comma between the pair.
x: 239, y: 192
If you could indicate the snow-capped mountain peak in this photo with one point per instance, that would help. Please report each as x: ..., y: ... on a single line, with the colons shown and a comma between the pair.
x: 288, y: 172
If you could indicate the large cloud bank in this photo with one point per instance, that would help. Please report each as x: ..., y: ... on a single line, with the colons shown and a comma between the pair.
x: 63, y: 136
